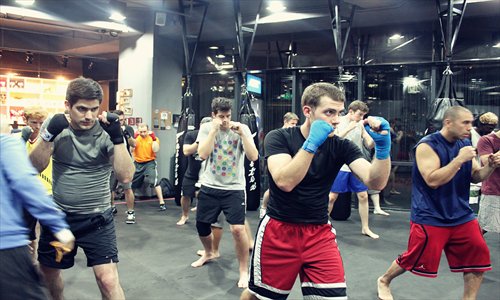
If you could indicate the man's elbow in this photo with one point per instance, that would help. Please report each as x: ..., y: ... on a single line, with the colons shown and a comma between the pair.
x: 253, y: 157
x: 285, y: 186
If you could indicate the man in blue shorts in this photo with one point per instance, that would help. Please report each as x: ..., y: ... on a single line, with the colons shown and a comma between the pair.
x: 351, y: 127
x: 223, y: 145
x: 85, y: 147
x: 441, y: 218
x: 295, y: 237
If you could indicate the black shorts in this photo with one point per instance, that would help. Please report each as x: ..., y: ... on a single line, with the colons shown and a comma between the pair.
x: 145, y: 173
x: 212, y: 201
x: 31, y: 224
x: 19, y: 279
x: 94, y: 233
x: 188, y: 187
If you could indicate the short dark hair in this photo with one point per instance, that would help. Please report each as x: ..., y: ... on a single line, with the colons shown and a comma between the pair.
x: 83, y: 88
x: 221, y: 104
x: 453, y: 112
x: 118, y: 112
x: 313, y: 93
x: 358, y: 105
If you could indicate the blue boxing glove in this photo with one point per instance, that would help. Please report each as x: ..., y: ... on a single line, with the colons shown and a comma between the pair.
x: 382, y: 139
x: 317, y: 135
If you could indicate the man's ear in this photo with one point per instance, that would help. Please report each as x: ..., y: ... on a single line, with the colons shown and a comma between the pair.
x: 67, y: 105
x: 307, y: 110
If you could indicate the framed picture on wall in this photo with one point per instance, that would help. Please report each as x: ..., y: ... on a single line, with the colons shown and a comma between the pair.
x: 131, y: 121
x: 127, y: 110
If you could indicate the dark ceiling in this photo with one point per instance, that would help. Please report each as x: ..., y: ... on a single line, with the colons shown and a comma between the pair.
x: 70, y: 36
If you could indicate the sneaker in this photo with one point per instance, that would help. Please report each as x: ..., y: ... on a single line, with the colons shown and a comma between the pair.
x: 130, y: 217
x: 114, y: 210
x: 162, y: 207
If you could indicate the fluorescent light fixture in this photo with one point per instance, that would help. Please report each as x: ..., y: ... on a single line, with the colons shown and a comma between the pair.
x: 213, y: 47
x: 497, y: 45
x: 287, y: 17
x: 110, y: 26
x: 396, y: 36
x: 276, y: 6
x: 117, y: 16
x: 26, y: 12
x: 25, y: 2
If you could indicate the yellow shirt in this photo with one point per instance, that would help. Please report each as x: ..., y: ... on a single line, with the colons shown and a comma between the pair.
x: 143, y: 151
x: 46, y: 175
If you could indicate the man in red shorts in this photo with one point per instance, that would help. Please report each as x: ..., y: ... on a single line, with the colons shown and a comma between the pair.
x: 295, y: 236
x: 441, y: 218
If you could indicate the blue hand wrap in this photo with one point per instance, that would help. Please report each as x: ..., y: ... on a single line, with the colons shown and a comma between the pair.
x: 317, y: 135
x: 382, y: 141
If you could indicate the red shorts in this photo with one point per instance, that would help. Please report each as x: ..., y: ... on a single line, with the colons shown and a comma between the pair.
x: 463, y: 245
x: 283, y: 250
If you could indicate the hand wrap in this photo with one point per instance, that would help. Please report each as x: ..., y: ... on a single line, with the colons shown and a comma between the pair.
x: 56, y: 125
x: 317, y: 135
x: 382, y: 141
x: 113, y: 128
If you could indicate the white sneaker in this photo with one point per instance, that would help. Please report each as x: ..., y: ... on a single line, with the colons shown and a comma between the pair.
x: 130, y: 217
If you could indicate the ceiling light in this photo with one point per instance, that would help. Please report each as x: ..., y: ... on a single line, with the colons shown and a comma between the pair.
x: 286, y: 17
x: 276, y: 6
x: 213, y: 47
x: 497, y: 45
x: 396, y: 36
x: 117, y: 16
x: 117, y: 10
x: 25, y: 2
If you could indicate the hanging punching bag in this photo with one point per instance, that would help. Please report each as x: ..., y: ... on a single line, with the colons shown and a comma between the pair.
x: 252, y: 168
x: 447, y: 97
x: 186, y: 123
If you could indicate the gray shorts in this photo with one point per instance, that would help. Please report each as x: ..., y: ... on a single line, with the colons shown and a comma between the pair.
x: 145, y: 173
x: 489, y: 213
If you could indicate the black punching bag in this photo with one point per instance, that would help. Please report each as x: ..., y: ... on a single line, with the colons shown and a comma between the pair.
x: 447, y: 98
x: 252, y: 168
x: 186, y: 123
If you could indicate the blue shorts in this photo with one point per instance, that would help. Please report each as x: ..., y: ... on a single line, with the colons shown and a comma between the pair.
x: 347, y: 182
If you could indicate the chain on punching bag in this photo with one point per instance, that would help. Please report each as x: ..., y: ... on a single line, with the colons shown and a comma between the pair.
x: 446, y: 98
x: 252, y: 168
x: 186, y: 123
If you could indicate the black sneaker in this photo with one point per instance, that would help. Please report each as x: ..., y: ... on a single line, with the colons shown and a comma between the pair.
x: 114, y: 210
x: 162, y: 207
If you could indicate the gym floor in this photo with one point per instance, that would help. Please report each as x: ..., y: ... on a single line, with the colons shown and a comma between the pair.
x: 155, y: 257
